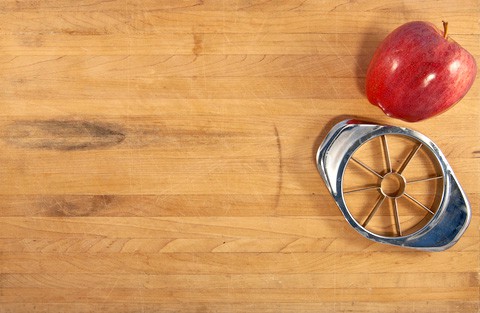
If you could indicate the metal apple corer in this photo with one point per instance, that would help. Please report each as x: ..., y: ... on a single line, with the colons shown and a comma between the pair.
x: 393, y: 185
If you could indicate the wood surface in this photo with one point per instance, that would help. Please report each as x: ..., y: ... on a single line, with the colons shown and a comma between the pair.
x: 158, y: 156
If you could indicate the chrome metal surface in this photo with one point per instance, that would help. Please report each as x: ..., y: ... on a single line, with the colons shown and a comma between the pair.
x: 446, y: 223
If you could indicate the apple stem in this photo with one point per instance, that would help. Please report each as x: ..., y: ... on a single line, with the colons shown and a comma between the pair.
x: 445, y: 29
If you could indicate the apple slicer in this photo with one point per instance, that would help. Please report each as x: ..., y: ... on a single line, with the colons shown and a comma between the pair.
x: 393, y: 185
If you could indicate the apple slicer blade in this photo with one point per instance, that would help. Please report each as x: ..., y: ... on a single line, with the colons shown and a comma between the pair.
x: 393, y: 185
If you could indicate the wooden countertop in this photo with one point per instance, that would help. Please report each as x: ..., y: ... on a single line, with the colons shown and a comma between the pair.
x: 158, y: 156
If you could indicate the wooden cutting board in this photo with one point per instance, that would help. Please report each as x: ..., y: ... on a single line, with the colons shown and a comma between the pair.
x: 158, y: 156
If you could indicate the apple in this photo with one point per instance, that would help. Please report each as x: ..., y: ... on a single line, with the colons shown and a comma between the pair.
x: 418, y: 72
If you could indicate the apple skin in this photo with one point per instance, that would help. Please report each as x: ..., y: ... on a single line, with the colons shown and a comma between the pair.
x: 416, y: 73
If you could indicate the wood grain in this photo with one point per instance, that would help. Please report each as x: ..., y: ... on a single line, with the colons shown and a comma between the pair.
x: 158, y: 156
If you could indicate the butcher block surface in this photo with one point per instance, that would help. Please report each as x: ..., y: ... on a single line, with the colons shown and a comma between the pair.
x: 159, y: 156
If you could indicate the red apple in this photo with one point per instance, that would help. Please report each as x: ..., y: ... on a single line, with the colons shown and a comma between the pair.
x: 418, y: 72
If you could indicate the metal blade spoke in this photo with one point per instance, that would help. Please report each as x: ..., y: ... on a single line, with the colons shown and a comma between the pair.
x: 409, y: 158
x: 397, y: 218
x: 419, y: 203
x: 361, y: 189
x: 424, y: 179
x: 386, y: 153
x: 368, y: 168
x: 374, y: 210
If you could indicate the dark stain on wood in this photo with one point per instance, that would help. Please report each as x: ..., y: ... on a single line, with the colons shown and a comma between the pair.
x: 84, y: 32
x: 78, y: 205
x: 32, y: 40
x: 63, y: 135
x: 280, y: 168
x: 197, y: 44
